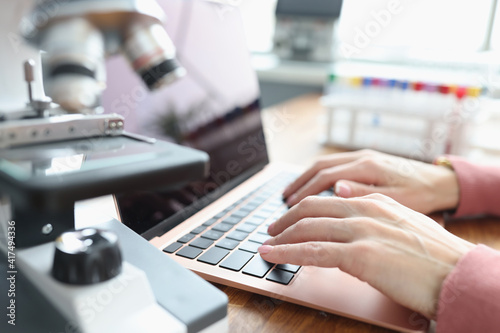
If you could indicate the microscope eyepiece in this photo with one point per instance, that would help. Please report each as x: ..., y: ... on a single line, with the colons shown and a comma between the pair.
x: 163, y: 73
x: 78, y: 39
x: 152, y: 53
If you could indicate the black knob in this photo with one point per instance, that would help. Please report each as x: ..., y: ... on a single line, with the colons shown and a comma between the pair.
x: 86, y: 256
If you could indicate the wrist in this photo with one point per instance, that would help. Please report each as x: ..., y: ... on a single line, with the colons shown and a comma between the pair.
x: 447, y: 191
x: 444, y: 162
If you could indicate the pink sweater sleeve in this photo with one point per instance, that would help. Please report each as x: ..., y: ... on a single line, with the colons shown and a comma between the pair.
x: 479, y: 188
x: 470, y: 296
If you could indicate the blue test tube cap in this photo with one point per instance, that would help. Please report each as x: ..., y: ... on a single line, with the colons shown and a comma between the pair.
x: 404, y: 85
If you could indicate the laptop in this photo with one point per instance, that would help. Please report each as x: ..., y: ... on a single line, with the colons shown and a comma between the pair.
x: 215, y: 225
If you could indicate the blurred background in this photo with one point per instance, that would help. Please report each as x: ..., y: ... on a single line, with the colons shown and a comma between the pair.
x: 395, y: 75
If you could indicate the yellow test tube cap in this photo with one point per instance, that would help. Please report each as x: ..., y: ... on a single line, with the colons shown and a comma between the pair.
x: 474, y: 91
x: 356, y: 81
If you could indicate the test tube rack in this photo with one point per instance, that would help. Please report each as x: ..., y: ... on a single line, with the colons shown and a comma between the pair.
x: 408, y: 118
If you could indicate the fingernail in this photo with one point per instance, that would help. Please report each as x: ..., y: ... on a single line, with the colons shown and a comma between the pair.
x: 342, y: 189
x: 291, y: 200
x: 270, y: 228
x: 265, y: 249
x: 286, y: 190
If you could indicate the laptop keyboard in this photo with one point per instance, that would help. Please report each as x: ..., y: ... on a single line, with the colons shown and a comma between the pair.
x: 230, y: 239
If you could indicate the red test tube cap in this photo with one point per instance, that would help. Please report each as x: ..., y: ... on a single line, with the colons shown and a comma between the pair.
x: 417, y: 86
x: 443, y: 89
x: 461, y: 92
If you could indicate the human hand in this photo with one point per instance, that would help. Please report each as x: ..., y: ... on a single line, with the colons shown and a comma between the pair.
x: 421, y: 186
x: 400, y: 252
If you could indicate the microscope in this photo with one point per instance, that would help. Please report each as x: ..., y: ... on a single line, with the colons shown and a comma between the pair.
x: 57, y: 147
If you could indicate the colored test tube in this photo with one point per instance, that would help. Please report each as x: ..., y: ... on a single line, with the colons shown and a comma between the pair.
x: 474, y: 91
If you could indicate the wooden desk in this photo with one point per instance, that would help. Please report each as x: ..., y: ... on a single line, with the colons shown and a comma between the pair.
x: 299, y: 122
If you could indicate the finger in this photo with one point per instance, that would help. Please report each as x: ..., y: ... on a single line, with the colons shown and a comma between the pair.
x: 326, y: 162
x: 320, y: 254
x: 356, y: 259
x: 332, y: 207
x: 371, y: 206
x: 362, y: 171
x: 306, y: 176
x: 351, y: 189
x: 318, y: 229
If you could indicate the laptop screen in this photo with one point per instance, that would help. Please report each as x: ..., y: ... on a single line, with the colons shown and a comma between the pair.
x: 214, y: 108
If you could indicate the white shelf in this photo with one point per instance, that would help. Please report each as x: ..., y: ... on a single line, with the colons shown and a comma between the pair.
x: 272, y: 69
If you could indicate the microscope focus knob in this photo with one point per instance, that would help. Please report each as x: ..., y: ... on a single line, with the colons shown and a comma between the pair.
x: 86, y: 256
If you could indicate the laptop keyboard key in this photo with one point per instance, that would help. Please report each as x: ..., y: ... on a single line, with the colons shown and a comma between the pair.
x: 219, y: 215
x: 255, y: 220
x: 259, y: 238
x: 268, y: 191
x: 227, y: 243
x: 268, y: 210
x: 210, y: 222
x: 240, y: 213
x: 250, y: 246
x: 212, y: 234
x: 258, y: 200
x: 236, y: 260
x: 249, y: 207
x: 213, y: 256
x: 288, y: 267
x: 271, y: 221
x: 172, y: 247
x: 237, y: 235
x: 202, y: 243
x: 233, y: 206
x: 232, y: 220
x: 222, y: 227
x: 189, y: 252
x: 262, y: 214
x: 275, y: 202
x: 246, y: 227
x: 258, y: 267
x: 198, y: 230
x: 186, y: 238
x: 263, y: 230
x: 280, y: 276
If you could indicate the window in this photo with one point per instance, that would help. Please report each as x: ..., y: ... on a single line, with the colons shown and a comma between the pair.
x: 396, y: 30
x: 403, y: 29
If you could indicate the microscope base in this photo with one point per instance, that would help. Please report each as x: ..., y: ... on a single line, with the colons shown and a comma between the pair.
x: 187, y: 298
x: 125, y: 303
